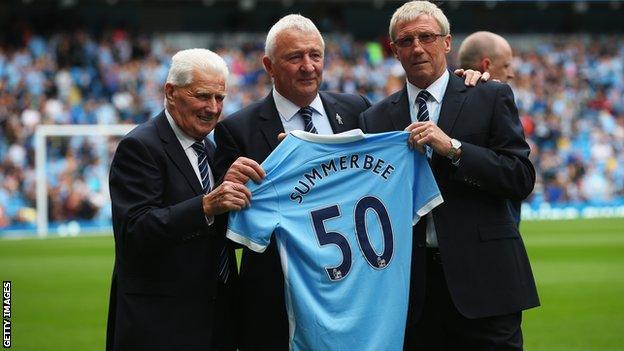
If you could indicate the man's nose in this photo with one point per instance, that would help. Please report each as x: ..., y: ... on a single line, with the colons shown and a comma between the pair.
x: 307, y: 65
x: 417, y: 47
x: 212, y: 105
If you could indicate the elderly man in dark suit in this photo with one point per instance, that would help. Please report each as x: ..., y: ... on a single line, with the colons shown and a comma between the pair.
x: 294, y: 59
x: 174, y: 275
x: 471, y: 277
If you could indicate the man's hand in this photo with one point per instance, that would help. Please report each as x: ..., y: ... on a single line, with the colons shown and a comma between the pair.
x: 280, y: 137
x: 472, y: 77
x: 242, y: 170
x: 226, y: 197
x: 428, y: 133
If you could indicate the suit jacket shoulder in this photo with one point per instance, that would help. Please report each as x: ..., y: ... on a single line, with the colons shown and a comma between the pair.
x: 343, y: 110
x: 391, y: 113
x: 351, y: 102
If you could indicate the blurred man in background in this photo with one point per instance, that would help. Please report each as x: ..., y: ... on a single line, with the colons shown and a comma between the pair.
x: 487, y: 52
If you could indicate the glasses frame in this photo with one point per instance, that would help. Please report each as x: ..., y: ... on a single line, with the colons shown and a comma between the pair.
x: 402, y: 43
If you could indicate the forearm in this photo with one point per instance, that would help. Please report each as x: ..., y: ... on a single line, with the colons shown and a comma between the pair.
x: 143, y: 214
x: 500, y: 165
x: 505, y: 175
x: 147, y: 226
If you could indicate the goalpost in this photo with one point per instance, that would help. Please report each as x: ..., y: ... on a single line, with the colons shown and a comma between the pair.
x: 41, y: 134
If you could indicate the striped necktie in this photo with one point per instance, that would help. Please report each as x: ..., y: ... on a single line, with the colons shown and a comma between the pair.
x: 202, y: 162
x: 421, y: 101
x: 306, y: 114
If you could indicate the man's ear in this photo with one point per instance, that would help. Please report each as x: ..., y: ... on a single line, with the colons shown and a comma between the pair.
x: 448, y: 42
x: 485, y: 65
x: 268, y: 65
x: 169, y: 91
x: 394, y: 50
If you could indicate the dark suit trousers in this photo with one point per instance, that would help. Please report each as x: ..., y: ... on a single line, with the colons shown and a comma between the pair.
x: 442, y: 327
x: 225, y: 325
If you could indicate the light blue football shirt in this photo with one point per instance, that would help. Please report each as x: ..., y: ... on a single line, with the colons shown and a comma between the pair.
x: 342, y: 208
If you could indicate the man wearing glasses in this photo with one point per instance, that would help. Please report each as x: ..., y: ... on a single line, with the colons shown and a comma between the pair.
x: 471, y: 277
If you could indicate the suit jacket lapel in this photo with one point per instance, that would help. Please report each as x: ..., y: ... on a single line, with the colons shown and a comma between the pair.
x: 451, y: 105
x: 270, y: 123
x: 400, y: 115
x: 454, y: 97
x: 333, y: 113
x: 176, y: 154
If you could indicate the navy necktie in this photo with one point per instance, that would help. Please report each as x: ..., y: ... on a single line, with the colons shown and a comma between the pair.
x: 202, y: 162
x: 306, y: 114
x: 421, y: 101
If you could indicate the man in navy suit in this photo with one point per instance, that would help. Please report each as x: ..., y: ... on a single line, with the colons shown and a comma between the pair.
x: 471, y: 277
x: 294, y: 54
x: 174, y: 275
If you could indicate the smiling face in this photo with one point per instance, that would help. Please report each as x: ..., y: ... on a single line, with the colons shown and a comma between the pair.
x: 423, y: 63
x: 296, y: 66
x: 196, y: 107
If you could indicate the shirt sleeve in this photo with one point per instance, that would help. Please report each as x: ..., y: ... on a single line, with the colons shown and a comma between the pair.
x: 254, y: 225
x: 426, y: 195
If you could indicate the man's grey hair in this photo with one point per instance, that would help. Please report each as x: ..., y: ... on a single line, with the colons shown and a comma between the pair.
x: 411, y: 10
x: 184, y: 62
x: 290, y: 22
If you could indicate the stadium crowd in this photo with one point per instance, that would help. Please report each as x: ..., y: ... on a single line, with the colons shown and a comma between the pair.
x: 569, y: 91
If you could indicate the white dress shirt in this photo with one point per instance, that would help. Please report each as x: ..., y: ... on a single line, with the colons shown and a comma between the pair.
x: 291, y: 120
x: 436, y: 89
x: 434, y: 105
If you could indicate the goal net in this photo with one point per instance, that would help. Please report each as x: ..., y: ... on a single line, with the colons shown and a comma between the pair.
x: 71, y: 177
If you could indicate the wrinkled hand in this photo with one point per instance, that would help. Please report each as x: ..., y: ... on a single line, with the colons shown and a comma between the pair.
x: 428, y: 133
x: 471, y: 76
x: 226, y: 197
x: 244, y: 169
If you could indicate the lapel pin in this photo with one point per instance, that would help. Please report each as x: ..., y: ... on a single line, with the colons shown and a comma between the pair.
x: 339, y: 119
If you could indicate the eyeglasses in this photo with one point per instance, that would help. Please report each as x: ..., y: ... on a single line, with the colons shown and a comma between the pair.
x: 423, y: 38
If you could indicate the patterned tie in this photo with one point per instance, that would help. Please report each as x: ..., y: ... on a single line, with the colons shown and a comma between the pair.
x: 308, y: 126
x: 202, y: 162
x: 421, y: 101
x: 423, y: 114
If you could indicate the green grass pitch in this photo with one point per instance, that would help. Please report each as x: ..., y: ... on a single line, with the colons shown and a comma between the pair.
x: 60, y: 288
